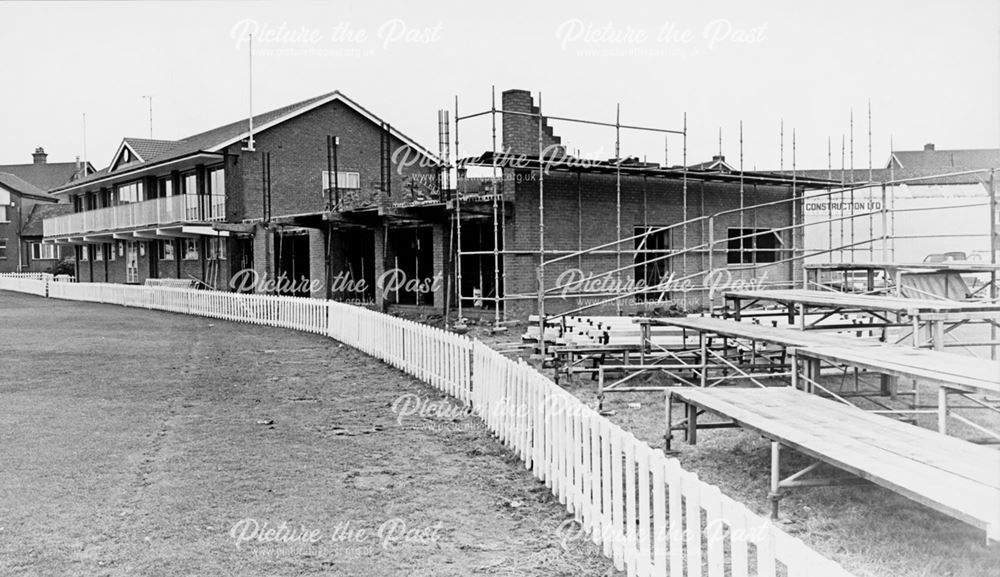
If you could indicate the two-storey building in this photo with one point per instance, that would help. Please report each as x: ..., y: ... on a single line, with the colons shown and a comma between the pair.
x: 237, y: 207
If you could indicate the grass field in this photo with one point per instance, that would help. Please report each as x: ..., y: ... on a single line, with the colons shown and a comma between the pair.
x: 147, y: 443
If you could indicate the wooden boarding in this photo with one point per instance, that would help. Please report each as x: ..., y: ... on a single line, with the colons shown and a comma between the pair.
x: 710, y: 368
x: 921, y: 266
x: 955, y: 477
x: 962, y: 372
x: 864, y: 302
x: 785, y: 337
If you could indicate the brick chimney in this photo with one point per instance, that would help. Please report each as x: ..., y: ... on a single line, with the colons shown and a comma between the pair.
x: 929, y: 146
x: 39, y: 155
x: 520, y: 133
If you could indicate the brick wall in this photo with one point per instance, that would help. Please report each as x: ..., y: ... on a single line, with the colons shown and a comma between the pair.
x: 520, y: 133
x: 299, y: 157
x: 580, y: 212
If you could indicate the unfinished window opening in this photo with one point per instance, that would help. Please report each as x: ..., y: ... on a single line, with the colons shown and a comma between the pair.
x: 355, y: 281
x: 651, y: 266
x: 292, y: 265
x: 479, y: 275
x: 752, y: 246
x: 410, y: 277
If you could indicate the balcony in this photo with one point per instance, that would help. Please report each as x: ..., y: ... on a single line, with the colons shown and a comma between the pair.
x: 138, y: 217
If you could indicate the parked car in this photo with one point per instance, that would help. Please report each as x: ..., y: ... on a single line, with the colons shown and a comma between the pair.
x: 953, y: 256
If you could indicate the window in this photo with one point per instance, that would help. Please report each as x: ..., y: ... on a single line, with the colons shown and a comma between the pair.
x: 131, y: 192
x: 84, y: 253
x: 166, y: 250
x: 109, y: 251
x: 4, y: 205
x: 216, y: 248
x: 190, y: 249
x: 650, y: 262
x: 3, y: 249
x: 189, y: 188
x: 98, y: 252
x: 345, y: 180
x: 41, y: 251
x: 752, y: 245
x: 217, y: 181
x: 189, y: 183
x: 121, y: 248
x: 217, y: 190
x: 165, y: 186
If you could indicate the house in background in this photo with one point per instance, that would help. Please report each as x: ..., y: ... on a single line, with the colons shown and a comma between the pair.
x: 48, y: 175
x: 24, y: 202
x: 41, y: 256
x: 18, y: 201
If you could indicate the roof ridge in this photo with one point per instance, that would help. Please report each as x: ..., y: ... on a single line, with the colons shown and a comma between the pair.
x: 22, y: 186
x: 139, y: 138
x: 260, y: 116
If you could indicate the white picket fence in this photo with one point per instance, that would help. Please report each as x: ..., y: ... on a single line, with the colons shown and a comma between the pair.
x: 31, y: 283
x: 650, y: 516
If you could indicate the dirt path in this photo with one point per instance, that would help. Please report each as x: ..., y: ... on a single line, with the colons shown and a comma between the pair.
x: 147, y: 443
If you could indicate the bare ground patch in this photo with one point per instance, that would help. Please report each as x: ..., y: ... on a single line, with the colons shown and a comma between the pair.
x: 135, y: 441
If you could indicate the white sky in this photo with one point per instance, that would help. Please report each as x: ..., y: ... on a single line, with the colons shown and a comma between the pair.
x: 931, y: 70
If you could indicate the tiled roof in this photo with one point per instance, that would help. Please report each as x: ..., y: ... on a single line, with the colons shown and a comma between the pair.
x: 148, y: 148
x: 917, y: 165
x: 46, y: 176
x: 162, y: 150
x: 716, y: 164
x: 947, y: 160
x: 165, y: 149
x: 33, y: 226
x: 18, y: 184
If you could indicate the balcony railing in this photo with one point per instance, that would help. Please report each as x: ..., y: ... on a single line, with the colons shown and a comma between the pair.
x: 184, y: 208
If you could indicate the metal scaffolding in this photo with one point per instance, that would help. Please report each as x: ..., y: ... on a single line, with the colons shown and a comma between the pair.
x: 498, y: 200
x: 708, y: 247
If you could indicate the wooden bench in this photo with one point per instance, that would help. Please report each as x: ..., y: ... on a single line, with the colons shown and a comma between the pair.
x: 966, y: 376
x: 955, y: 477
x: 935, y: 317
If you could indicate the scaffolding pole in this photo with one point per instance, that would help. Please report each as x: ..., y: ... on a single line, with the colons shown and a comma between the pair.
x: 843, y: 186
x: 796, y: 207
x: 829, y: 202
x: 684, y: 191
x: 852, y: 181
x: 871, y: 221
x: 496, y: 228
x: 892, y: 198
x: 618, y: 200
x: 541, y: 232
x: 743, y: 206
x: 458, y: 224
x: 994, y: 247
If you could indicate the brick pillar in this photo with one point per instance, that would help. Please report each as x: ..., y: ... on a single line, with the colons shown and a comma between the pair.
x: 337, y: 259
x: 317, y: 263
x: 263, y: 253
x: 440, y: 264
x: 379, y: 264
